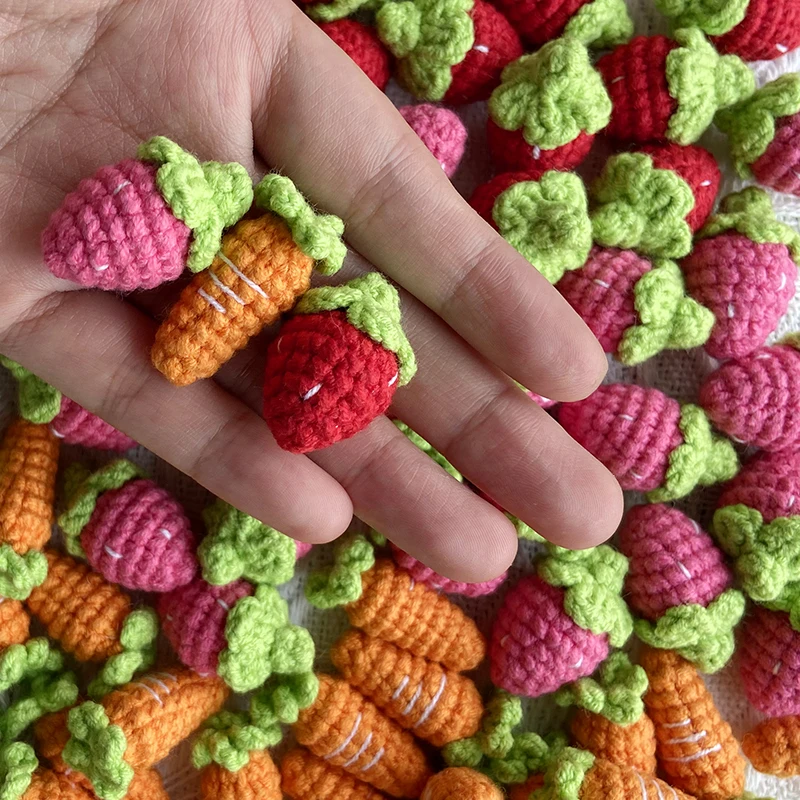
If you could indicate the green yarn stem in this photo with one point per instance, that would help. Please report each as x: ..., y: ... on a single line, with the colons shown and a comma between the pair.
x: 704, y: 458
x: 701, y: 635
x: 39, y: 402
x: 339, y: 9
x: 18, y: 762
x: 503, y: 714
x: 429, y: 450
x: 21, y: 662
x: 667, y: 317
x: 713, y: 17
x: 20, y: 574
x: 637, y: 206
x: 228, y: 739
x: 547, y: 222
x: 565, y: 775
x: 373, y: 307
x: 319, y: 236
x: 751, y: 214
x: 701, y: 81
x: 524, y: 531
x: 429, y: 37
x: 282, y: 698
x: 207, y: 198
x: 593, y: 581
x: 601, y: 24
x: 553, y: 95
x: 239, y: 546
x: 617, y: 695
x: 341, y: 584
x: 46, y: 694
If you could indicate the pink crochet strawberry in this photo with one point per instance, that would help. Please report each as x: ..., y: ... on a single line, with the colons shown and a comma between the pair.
x: 442, y: 132
x: 559, y: 625
x: 336, y: 364
x: 680, y: 585
x: 547, y: 110
x: 140, y: 223
x: 650, y: 442
x: 744, y: 268
x: 130, y: 530
x: 362, y: 44
x: 634, y: 306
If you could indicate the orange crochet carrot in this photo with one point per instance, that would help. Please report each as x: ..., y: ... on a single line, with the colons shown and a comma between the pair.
x: 147, y: 785
x: 49, y: 785
x: 626, y: 745
x: 695, y: 746
x: 349, y: 731
x: 433, y: 702
x: 461, y: 783
x: 306, y: 777
x: 264, y: 265
x: 523, y: 791
x: 259, y: 779
x: 773, y: 746
x: 14, y: 623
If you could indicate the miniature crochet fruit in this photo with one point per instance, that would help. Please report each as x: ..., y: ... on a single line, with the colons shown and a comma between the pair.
x: 140, y: 223
x: 336, y: 364
x: 744, y: 269
x: 773, y: 746
x: 441, y: 131
x: 362, y: 44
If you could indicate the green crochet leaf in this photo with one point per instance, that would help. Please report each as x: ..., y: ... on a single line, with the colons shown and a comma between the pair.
x: 39, y: 402
x: 564, y: 777
x: 44, y: 694
x: 617, y: 695
x: 637, y: 206
x: 668, y: 319
x: 373, y: 306
x: 553, y: 95
x: 524, y: 531
x: 20, y: 574
x: 713, y: 17
x: 593, y: 581
x: 547, y: 222
x: 239, y: 546
x: 17, y: 764
x: 429, y: 37
x: 701, y: 635
x: 751, y: 214
x: 319, y: 236
x: 341, y: 584
x: 601, y: 24
x: 282, y: 698
x: 429, y: 450
x: 339, y: 9
x: 228, y: 739
x: 702, y: 82
x: 207, y: 198
x: 704, y: 458
x: 21, y: 662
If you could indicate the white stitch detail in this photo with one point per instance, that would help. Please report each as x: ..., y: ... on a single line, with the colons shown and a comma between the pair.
x: 642, y: 784
x: 684, y: 570
x: 434, y: 702
x: 120, y: 188
x: 412, y: 702
x: 658, y: 789
x: 627, y: 417
x: 347, y: 741
x: 378, y: 757
x: 56, y: 433
x: 781, y: 48
x: 226, y: 289
x: 222, y: 603
x: 167, y: 675
x: 790, y: 502
x: 394, y: 379
x: 399, y: 690
x: 617, y: 80
x: 239, y: 274
x: 311, y: 392
x: 706, y: 183
x: 731, y: 310
x: 677, y: 724
x: 636, y: 475
x: 412, y: 584
x: 145, y: 686
x: 700, y: 754
x: 696, y: 526
x: 691, y: 739
x: 99, y: 267
x: 537, y: 152
x: 165, y: 533
x: 602, y: 283
x: 112, y: 553
x: 578, y: 664
x: 777, y: 668
x: 481, y: 48
x: 783, y: 282
x: 211, y: 301
x: 158, y: 683
x: 361, y: 751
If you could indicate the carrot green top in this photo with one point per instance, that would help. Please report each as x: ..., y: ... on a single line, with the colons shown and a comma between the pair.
x: 339, y: 9
x: 714, y: 17
x: 341, y: 583
x: 228, y: 739
x: 39, y: 402
x: 565, y: 775
x: 17, y: 764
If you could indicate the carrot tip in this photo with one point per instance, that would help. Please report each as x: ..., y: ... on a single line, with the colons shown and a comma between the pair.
x: 20, y: 574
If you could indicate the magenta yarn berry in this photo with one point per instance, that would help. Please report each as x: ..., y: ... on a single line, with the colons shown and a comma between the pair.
x: 139, y: 537
x: 779, y: 166
x: 75, y: 425
x: 442, y: 132
x: 303, y: 549
x: 193, y: 618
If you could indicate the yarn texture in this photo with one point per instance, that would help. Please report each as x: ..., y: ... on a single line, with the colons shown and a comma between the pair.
x: 307, y: 777
x: 460, y: 783
x: 773, y: 746
x: 441, y: 131
x: 362, y: 44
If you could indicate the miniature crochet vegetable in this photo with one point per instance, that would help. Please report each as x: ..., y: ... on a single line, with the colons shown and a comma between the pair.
x: 461, y: 783
x: 336, y: 364
x: 130, y: 530
x: 557, y: 626
x: 442, y: 132
x: 44, y: 784
x: 546, y: 111
x: 650, y: 442
x: 348, y: 731
x: 524, y: 791
x: 307, y: 777
x: 654, y: 199
x: 773, y: 746
x: 14, y: 623
x: 262, y: 267
x: 753, y: 29
x: 670, y: 90
x: 140, y: 223
x: 448, y: 50
x: 744, y: 269
x: 137, y: 725
x: 362, y: 44
x: 680, y: 585
x: 696, y: 748
x: 636, y: 307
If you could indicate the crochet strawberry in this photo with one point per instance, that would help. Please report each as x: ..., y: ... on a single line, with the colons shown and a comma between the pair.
x: 448, y: 50
x: 669, y: 90
x: 336, y: 364
x: 139, y: 223
x: 743, y: 268
x: 546, y: 111
x: 679, y: 584
x: 362, y: 44
x: 635, y: 307
x: 442, y: 132
x: 558, y: 625
x: 130, y: 530
x: 755, y: 30
x: 650, y: 442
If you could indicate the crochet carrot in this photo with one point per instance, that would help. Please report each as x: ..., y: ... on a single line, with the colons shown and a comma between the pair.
x: 461, y: 783
x: 441, y: 131
x: 650, y: 442
x: 141, y: 222
x: 128, y: 528
x: 137, y: 725
x: 94, y: 620
x: 524, y: 791
x: 669, y: 90
x: 349, y: 731
x: 14, y: 623
x: 307, y: 777
x: 147, y: 785
x: 696, y: 748
x: 547, y: 110
x: 262, y: 267
x: 773, y: 746
x: 364, y: 47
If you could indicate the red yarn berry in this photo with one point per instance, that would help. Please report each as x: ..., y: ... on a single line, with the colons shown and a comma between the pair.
x: 362, y: 44
x: 485, y: 195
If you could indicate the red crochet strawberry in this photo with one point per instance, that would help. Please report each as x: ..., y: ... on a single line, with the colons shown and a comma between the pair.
x: 362, y: 44
x: 546, y: 111
x: 336, y: 364
x: 743, y: 268
x: 669, y: 90
x: 485, y: 196
x: 451, y: 51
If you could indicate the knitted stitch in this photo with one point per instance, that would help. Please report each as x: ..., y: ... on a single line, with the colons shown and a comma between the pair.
x: 773, y: 746
x: 332, y: 10
x: 441, y: 131
x: 306, y: 777
x: 259, y: 780
x: 632, y: 745
x: 362, y: 44
x: 17, y: 763
x: 46, y: 784
x: 14, y: 623
x: 461, y: 783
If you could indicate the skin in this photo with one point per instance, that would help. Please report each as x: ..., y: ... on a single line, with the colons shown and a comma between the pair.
x: 84, y: 82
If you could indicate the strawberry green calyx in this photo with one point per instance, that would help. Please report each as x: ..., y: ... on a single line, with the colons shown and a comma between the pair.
x: 339, y: 9
x: 601, y: 24
x: 713, y: 17
x: 372, y: 305
x: 18, y: 762
x: 20, y: 574
x: 207, y: 197
x: 228, y: 739
x: 553, y: 96
x: 341, y: 584
x: 39, y: 402
x: 565, y: 775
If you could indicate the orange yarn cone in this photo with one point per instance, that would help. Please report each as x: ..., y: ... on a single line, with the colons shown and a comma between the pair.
x: 14, y: 623
x: 607, y: 780
x: 306, y: 777
x: 49, y: 785
x: 523, y: 791
x: 773, y: 746
x: 625, y: 745
x: 259, y: 779
x: 460, y: 783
